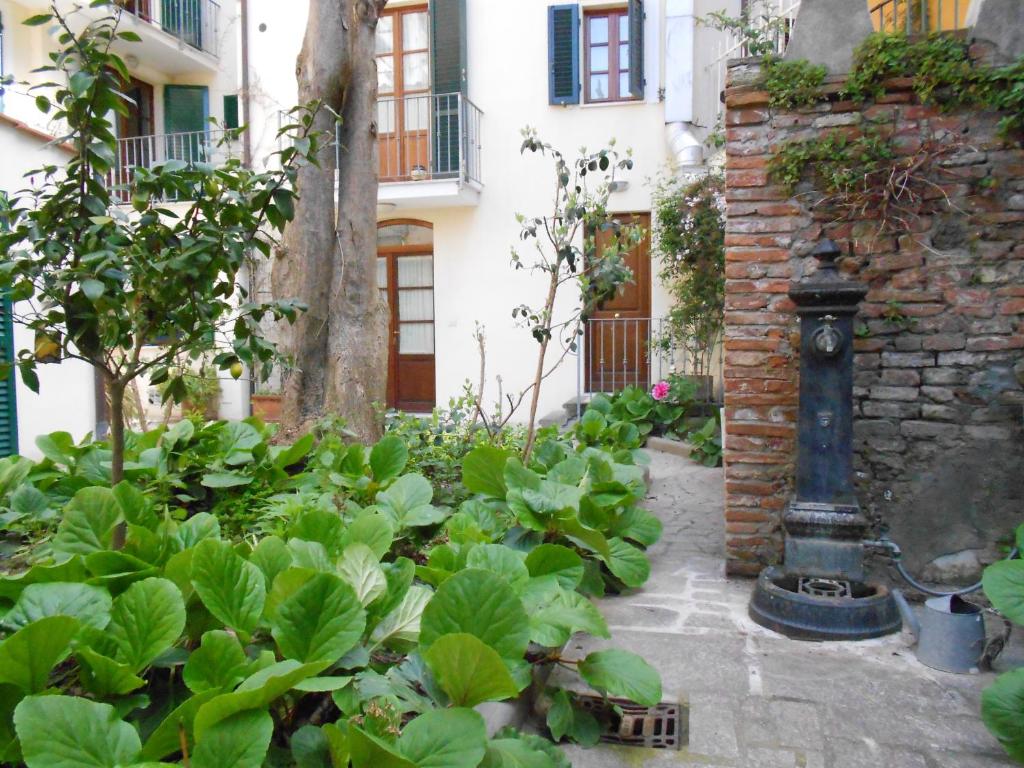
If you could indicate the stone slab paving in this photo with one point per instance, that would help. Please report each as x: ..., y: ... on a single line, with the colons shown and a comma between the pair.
x: 757, y: 699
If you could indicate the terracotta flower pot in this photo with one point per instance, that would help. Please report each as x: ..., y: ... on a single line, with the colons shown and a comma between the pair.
x: 266, y: 407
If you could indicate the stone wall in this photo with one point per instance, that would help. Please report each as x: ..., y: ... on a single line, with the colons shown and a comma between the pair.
x: 940, y: 348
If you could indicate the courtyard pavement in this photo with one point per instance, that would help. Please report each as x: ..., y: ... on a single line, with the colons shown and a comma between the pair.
x: 757, y: 699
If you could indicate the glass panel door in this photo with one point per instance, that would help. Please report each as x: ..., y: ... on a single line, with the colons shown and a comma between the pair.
x: 403, y: 88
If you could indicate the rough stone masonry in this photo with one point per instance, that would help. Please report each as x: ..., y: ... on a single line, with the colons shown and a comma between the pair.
x: 939, y: 387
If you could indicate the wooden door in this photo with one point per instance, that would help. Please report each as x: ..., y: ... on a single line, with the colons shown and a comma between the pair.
x: 135, y: 130
x: 618, y: 337
x: 405, y: 277
x: 403, y: 87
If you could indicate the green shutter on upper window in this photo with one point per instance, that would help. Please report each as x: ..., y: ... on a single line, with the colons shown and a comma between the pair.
x: 8, y: 404
x: 186, y: 112
x: 448, y: 46
x: 449, y: 83
x: 636, y: 48
x: 231, y: 111
x: 564, y: 54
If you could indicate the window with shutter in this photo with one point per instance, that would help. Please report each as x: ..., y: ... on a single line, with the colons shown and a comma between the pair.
x: 231, y: 111
x: 613, y: 54
x: 8, y: 406
x: 186, y: 111
x: 564, y: 54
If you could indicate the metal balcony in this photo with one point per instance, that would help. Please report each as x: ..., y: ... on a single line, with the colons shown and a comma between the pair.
x: 147, y: 151
x: 193, y: 22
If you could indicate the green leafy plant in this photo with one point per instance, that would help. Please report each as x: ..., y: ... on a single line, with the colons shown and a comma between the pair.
x: 1002, y: 703
x: 690, y: 243
x: 95, y: 277
x: 707, y: 443
x: 567, y: 252
x: 793, y: 84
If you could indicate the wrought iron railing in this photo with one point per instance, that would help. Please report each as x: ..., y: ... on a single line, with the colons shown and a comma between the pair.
x: 625, y: 352
x: 916, y: 17
x: 147, y: 151
x: 429, y: 136
x: 192, y: 21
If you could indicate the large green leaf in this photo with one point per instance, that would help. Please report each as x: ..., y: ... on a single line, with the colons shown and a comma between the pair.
x: 628, y: 563
x: 167, y: 737
x: 72, y: 732
x: 359, y: 567
x: 197, y: 528
x: 231, y: 588
x: 502, y: 560
x: 286, y: 584
x: 88, y: 522
x: 239, y: 741
x: 479, y: 603
x: 402, y: 625
x: 146, y: 620
x: 311, y: 748
x: 320, y: 525
x: 321, y: 621
x: 399, y: 576
x: 513, y: 753
x: 445, y: 738
x: 469, y: 671
x: 103, y: 676
x: 88, y: 604
x: 566, y: 612
x: 368, y: 751
x: 310, y: 554
x: 639, y: 525
x: 1004, y: 586
x: 483, y: 471
x: 564, y: 719
x: 218, y: 663
x: 72, y: 570
x: 388, y: 458
x: 556, y: 560
x: 407, y: 502
x: 27, y: 656
x: 237, y: 439
x: 271, y: 556
x: 372, y: 529
x: 256, y: 692
x: 584, y: 536
x: 620, y: 673
x: 1002, y: 710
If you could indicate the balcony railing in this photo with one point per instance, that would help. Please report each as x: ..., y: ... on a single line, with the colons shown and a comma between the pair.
x: 917, y: 17
x: 147, y: 151
x: 192, y: 21
x: 429, y: 136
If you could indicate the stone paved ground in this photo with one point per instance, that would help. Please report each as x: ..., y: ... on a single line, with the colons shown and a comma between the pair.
x: 759, y: 700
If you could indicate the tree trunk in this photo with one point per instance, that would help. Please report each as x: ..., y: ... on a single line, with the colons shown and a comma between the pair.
x: 329, y: 261
x: 115, y: 392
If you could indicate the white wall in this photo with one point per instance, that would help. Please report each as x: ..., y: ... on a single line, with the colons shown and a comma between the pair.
x: 66, y: 392
x: 508, y: 80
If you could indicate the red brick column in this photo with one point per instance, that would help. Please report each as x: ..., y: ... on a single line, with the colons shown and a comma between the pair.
x: 939, y: 384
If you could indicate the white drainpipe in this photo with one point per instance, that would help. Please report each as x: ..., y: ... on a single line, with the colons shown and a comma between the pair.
x: 686, y: 148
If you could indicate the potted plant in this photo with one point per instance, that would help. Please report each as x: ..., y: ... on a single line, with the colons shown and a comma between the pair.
x: 266, y: 405
x: 202, y: 394
x: 690, y: 242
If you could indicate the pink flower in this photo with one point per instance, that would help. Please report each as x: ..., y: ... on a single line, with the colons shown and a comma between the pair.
x: 660, y: 390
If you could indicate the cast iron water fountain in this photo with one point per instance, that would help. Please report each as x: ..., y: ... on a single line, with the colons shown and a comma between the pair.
x: 821, y: 593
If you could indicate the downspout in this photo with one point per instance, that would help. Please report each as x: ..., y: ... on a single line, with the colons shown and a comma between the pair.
x: 246, y: 136
x: 680, y: 31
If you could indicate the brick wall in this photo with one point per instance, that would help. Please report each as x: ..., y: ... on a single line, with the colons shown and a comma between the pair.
x: 939, y: 371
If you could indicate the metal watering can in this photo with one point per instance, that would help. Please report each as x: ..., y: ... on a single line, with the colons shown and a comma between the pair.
x: 950, y: 634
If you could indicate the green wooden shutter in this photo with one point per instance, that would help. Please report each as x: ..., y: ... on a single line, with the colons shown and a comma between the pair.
x: 564, y: 54
x: 8, y: 405
x: 186, y: 112
x: 231, y: 111
x: 448, y: 46
x: 636, y: 48
x: 449, y: 80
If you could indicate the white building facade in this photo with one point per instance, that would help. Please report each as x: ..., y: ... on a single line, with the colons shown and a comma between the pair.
x: 458, y: 81
x: 184, y: 71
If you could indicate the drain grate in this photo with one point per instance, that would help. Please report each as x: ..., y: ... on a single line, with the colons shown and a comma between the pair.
x: 818, y: 587
x: 663, y: 726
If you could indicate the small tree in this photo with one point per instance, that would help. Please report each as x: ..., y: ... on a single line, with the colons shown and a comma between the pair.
x: 690, y: 241
x: 566, y: 251
x: 101, y: 281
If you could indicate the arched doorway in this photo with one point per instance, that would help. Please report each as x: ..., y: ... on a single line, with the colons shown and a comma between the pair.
x: 405, y: 277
